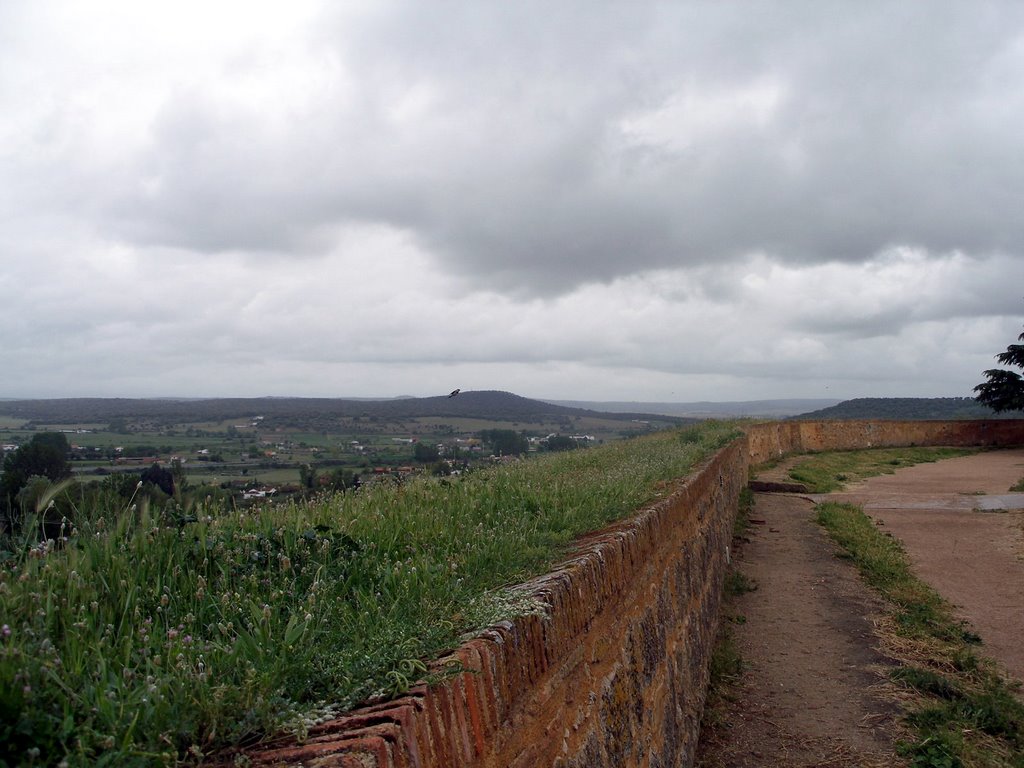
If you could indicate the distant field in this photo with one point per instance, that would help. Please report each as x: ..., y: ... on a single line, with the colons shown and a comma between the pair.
x: 467, y: 425
x: 58, y: 427
x: 312, y: 439
x: 254, y: 476
x: 297, y: 433
x: 599, y: 428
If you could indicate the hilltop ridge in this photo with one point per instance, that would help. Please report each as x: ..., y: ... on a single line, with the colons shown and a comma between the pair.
x: 489, y: 404
x: 705, y: 409
x: 907, y: 408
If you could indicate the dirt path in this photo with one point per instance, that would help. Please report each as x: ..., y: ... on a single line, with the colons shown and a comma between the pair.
x: 807, y: 696
x: 811, y: 694
x: 945, y: 515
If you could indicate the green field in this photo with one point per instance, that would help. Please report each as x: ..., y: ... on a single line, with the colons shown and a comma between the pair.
x: 255, y: 476
x: 239, y: 445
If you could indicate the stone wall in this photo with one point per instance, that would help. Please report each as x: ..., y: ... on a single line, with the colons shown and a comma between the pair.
x: 775, y: 439
x: 613, y: 674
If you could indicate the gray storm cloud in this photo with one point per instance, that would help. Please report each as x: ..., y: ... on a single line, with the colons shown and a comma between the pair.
x: 537, y: 150
x: 752, y: 197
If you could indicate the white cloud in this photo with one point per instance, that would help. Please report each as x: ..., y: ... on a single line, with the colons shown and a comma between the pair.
x: 696, y: 115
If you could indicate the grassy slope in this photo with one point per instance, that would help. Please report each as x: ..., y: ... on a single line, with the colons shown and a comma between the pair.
x: 154, y: 635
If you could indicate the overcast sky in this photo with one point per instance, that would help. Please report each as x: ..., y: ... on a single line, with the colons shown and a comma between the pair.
x: 587, y: 200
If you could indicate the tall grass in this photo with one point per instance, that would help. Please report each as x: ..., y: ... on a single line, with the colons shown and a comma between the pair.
x: 139, y: 636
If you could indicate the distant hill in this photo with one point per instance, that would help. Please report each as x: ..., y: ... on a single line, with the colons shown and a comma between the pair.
x: 490, y: 405
x: 773, y: 409
x: 907, y: 408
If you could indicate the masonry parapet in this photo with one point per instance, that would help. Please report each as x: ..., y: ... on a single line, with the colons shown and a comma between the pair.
x: 612, y: 672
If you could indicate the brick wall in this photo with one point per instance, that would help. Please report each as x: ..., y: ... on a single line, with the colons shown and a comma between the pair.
x: 772, y: 440
x: 613, y: 673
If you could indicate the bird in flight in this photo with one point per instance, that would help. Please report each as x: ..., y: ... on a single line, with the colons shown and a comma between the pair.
x: 454, y: 393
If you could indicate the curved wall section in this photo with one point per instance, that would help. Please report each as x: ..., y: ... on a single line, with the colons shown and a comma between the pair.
x: 613, y: 671
x: 775, y: 439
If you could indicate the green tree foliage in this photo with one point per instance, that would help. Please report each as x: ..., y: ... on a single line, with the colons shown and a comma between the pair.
x: 342, y: 479
x: 179, y: 475
x: 44, y: 455
x: 440, y: 469
x: 505, y: 442
x: 121, y: 485
x: 1004, y: 390
x: 34, y: 490
x: 561, y: 443
x: 37, y: 512
x: 425, y: 453
x: 160, y: 477
x: 307, y: 476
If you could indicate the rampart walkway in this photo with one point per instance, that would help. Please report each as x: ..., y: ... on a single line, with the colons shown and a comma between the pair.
x: 808, y: 693
x: 813, y: 691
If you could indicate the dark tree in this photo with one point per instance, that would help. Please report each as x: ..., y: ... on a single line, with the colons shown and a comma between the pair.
x: 160, y: 477
x: 307, y: 476
x: 55, y: 441
x: 440, y: 469
x: 562, y: 443
x: 179, y: 475
x: 505, y: 442
x: 1004, y: 390
x: 425, y: 453
x: 123, y: 484
x: 45, y: 455
x: 341, y: 479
